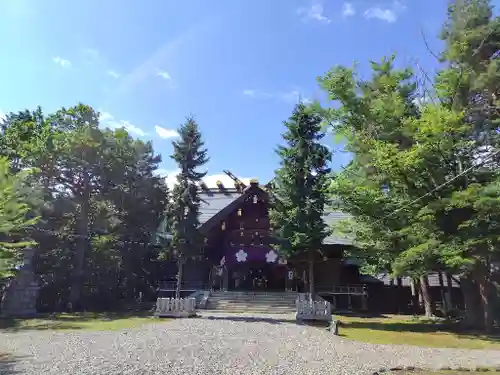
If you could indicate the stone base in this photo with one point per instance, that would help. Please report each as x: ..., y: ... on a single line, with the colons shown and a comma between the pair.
x: 175, y: 308
x: 176, y: 314
x: 20, y: 300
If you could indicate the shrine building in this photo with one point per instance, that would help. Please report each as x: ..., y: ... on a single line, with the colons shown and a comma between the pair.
x: 238, y: 256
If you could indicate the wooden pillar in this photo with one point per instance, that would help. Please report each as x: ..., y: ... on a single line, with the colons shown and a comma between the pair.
x: 364, y: 301
x: 225, y: 279
x: 349, y: 301
x: 442, y: 291
x: 450, y: 290
x: 415, y: 295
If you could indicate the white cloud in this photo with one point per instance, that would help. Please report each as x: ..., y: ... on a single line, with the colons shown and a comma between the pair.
x: 92, y: 55
x: 113, y: 74
x: 348, y: 10
x: 209, y: 180
x: 166, y: 133
x: 315, y: 12
x: 105, y: 116
x: 164, y: 74
x: 109, y: 121
x: 256, y: 93
x: 169, y: 53
x: 249, y: 92
x: 293, y: 96
x: 389, y: 14
x: 62, y: 62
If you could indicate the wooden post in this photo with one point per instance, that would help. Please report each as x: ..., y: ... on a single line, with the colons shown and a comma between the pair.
x: 364, y: 302
x: 443, y: 294
x: 415, y: 295
x: 225, y: 279
x: 449, y: 286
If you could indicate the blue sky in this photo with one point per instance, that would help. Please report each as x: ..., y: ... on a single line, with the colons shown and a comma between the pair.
x: 237, y: 66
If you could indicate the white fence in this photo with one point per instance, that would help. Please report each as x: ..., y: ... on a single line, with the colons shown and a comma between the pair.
x: 178, y: 308
x: 308, y: 309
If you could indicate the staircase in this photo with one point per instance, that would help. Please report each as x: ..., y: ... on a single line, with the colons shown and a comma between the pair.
x: 258, y: 302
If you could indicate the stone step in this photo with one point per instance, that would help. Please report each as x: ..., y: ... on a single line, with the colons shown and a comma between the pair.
x: 260, y: 302
x: 265, y: 300
x: 246, y: 306
x: 251, y: 311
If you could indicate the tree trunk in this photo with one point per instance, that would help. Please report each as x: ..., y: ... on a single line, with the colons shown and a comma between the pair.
x: 180, y: 269
x: 481, y: 276
x: 311, y: 274
x: 473, y: 310
x: 449, y: 287
x: 414, y: 296
x: 424, y: 287
x: 82, y: 242
x: 443, y: 294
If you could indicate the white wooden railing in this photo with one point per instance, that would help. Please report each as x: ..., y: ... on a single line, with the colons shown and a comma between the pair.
x: 178, y: 308
x: 309, y: 309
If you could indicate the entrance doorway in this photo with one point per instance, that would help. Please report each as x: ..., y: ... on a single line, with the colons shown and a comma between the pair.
x: 258, y: 276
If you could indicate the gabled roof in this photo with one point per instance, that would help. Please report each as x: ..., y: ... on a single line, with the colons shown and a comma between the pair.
x: 214, y: 200
x: 233, y: 199
x: 331, y: 218
x: 217, y: 204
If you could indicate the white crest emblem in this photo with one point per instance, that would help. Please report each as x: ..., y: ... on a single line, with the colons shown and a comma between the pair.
x: 241, y: 256
x: 271, y: 256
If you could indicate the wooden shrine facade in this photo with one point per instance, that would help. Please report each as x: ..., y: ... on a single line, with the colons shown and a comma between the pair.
x: 238, y: 253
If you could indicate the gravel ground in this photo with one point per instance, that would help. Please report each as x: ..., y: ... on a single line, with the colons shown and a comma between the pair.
x: 236, y: 345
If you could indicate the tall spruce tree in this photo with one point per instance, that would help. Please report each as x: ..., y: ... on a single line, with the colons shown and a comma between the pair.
x: 183, y: 212
x: 299, y: 194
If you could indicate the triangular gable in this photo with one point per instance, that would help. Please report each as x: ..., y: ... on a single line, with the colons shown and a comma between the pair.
x: 231, y: 207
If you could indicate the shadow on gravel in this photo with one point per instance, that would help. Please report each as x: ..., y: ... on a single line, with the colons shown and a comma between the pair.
x: 270, y: 320
x: 7, y: 362
x: 250, y: 319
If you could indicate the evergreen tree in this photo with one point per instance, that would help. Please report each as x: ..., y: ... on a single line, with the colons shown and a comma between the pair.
x: 470, y: 84
x: 183, y: 213
x: 17, y: 201
x: 299, y: 193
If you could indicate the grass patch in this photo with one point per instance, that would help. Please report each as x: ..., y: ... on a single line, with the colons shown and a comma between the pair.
x: 408, y: 330
x: 78, y: 321
x: 443, y: 372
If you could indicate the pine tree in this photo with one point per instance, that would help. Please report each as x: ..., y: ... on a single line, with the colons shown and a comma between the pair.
x: 299, y: 194
x: 470, y: 84
x: 18, y: 198
x: 183, y: 214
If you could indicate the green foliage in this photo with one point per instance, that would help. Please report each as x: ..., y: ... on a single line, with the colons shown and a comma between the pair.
x: 102, y: 203
x: 183, y: 213
x: 300, y: 187
x: 16, y: 216
x: 423, y: 184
